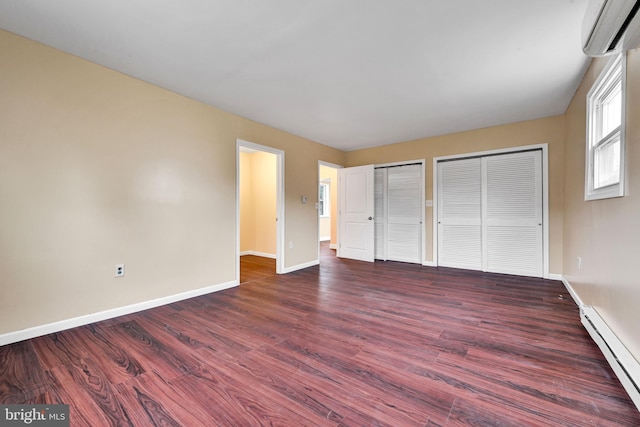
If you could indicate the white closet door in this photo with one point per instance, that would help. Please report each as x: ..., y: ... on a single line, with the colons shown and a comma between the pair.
x: 404, y: 213
x: 512, y: 213
x: 460, y: 214
x: 380, y: 213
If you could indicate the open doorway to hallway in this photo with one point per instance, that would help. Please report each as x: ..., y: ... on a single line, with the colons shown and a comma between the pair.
x: 259, y: 183
x: 327, y: 209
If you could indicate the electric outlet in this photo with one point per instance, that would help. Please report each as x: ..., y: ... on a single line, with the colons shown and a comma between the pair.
x: 291, y: 244
x: 119, y: 270
x: 579, y: 263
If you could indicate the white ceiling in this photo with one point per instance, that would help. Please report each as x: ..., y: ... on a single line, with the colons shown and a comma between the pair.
x: 345, y: 73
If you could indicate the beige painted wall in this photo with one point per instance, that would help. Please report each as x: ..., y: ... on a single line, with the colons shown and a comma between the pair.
x: 548, y: 130
x: 334, y: 207
x: 98, y: 168
x: 258, y: 209
x: 325, y: 228
x: 247, y: 223
x: 330, y: 224
x: 605, y: 233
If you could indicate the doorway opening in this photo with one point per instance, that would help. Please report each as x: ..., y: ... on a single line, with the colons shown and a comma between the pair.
x: 327, y: 209
x: 260, y: 210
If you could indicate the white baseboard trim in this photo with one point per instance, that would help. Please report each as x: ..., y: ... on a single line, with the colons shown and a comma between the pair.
x: 429, y: 264
x: 260, y: 254
x: 36, y: 331
x: 626, y: 367
x: 572, y: 292
x: 325, y: 238
x: 333, y: 246
x: 300, y: 266
x: 553, y: 276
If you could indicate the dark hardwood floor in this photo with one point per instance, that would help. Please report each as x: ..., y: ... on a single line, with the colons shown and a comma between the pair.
x: 254, y: 267
x: 344, y: 344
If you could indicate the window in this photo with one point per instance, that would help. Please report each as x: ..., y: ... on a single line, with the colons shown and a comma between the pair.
x: 605, y: 133
x: 323, y: 200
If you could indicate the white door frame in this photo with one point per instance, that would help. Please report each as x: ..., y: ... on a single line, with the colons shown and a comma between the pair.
x: 545, y: 196
x: 334, y: 187
x: 280, y: 220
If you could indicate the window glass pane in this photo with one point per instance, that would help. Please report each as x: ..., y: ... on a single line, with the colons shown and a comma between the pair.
x: 323, y: 202
x: 612, y: 110
x: 605, y: 144
x: 606, y: 160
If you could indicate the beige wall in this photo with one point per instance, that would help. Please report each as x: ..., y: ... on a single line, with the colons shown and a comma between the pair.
x: 325, y: 228
x: 247, y: 223
x: 98, y: 168
x: 334, y: 208
x: 605, y: 233
x: 549, y: 130
x: 258, y: 191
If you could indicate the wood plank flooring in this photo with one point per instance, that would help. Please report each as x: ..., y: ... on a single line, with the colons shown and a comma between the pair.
x: 344, y: 344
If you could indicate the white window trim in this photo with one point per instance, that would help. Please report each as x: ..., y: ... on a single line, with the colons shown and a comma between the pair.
x: 327, y: 201
x: 615, y: 190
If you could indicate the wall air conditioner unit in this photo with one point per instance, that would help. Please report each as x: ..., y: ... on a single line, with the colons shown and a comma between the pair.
x: 611, y: 26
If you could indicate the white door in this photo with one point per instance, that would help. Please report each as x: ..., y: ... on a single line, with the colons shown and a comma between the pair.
x: 404, y: 213
x: 355, y: 205
x: 512, y: 213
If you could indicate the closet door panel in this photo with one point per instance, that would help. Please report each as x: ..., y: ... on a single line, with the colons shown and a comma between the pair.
x: 460, y: 214
x: 513, y: 213
x: 404, y: 213
x: 380, y: 213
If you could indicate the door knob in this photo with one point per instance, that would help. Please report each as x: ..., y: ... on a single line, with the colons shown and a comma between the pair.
x: 370, y: 218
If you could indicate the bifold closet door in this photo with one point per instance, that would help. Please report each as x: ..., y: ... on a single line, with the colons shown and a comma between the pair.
x: 490, y: 213
x: 512, y: 207
x: 398, y: 213
x: 404, y: 213
x: 380, y: 213
x: 460, y: 214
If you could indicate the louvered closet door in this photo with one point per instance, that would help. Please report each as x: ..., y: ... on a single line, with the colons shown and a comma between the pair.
x: 404, y: 213
x: 460, y: 214
x: 512, y: 220
x: 380, y: 213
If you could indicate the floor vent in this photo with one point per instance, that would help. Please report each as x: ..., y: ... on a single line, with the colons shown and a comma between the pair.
x: 626, y: 367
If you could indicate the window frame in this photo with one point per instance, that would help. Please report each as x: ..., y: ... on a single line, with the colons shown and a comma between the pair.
x: 324, y: 204
x: 614, y: 72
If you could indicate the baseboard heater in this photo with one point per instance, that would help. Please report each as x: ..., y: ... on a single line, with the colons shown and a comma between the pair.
x: 626, y: 367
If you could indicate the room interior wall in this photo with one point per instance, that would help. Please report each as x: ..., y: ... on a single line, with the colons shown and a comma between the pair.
x: 98, y: 168
x: 247, y: 223
x: 325, y: 228
x: 334, y: 208
x: 263, y: 194
x: 548, y: 130
x: 605, y: 233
